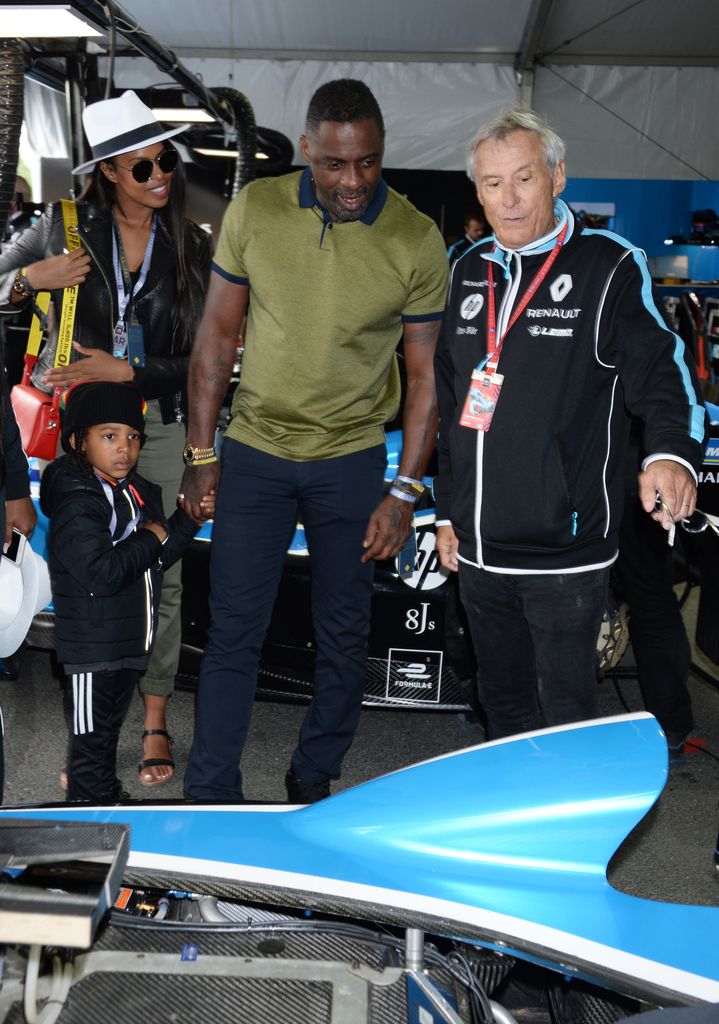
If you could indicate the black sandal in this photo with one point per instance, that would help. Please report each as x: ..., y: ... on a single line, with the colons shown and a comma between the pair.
x: 155, y: 762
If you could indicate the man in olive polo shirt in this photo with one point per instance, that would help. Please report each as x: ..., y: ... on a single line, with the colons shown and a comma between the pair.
x: 332, y: 268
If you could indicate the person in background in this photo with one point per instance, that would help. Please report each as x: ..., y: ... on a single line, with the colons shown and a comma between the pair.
x: 360, y: 267
x: 19, y: 220
x: 16, y: 508
x: 142, y: 270
x: 475, y: 227
x: 109, y: 546
x: 14, y: 328
x: 551, y: 334
x: 644, y: 578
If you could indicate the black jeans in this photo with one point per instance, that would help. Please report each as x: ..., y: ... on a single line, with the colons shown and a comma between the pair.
x: 260, y: 498
x: 535, y: 637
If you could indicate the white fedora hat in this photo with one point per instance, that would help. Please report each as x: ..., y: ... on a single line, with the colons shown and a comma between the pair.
x: 24, y: 591
x: 119, y: 126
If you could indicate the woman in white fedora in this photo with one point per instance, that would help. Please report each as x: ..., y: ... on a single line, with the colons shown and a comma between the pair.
x: 142, y: 269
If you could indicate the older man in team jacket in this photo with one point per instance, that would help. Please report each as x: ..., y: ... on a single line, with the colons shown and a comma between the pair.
x: 552, y: 335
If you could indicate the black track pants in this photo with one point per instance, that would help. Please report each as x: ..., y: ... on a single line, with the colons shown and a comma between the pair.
x: 99, y: 703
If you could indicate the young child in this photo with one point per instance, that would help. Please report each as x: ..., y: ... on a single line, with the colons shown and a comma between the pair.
x: 109, y: 544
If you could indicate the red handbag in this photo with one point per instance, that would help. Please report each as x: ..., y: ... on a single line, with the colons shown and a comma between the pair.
x: 38, y: 412
x: 38, y: 417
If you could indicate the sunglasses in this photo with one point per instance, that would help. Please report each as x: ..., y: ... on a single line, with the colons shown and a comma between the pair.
x: 700, y: 521
x: 142, y: 170
x: 697, y: 522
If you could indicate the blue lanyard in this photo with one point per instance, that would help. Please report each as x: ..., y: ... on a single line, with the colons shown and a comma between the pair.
x: 122, y: 274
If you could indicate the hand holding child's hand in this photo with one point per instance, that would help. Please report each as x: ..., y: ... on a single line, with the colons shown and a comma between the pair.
x: 207, y: 505
x: 156, y: 528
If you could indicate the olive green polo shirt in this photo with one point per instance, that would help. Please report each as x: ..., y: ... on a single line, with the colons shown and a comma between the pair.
x: 328, y: 300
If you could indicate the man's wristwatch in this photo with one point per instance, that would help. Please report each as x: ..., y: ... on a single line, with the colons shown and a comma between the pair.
x: 21, y: 285
x: 198, y: 456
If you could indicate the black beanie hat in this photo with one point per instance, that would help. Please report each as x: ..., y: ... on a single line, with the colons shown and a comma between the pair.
x: 100, y: 401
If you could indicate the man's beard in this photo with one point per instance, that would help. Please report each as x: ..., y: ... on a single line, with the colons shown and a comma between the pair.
x: 342, y: 213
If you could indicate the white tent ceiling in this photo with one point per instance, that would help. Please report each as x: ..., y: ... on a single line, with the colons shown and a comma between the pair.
x: 632, y: 85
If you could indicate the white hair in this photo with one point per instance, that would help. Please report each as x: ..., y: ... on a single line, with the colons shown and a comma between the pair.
x: 515, y: 119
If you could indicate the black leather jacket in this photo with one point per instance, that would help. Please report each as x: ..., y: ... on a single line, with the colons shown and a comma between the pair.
x: 14, y: 472
x: 165, y: 374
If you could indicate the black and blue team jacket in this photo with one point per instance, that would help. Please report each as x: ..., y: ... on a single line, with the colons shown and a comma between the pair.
x: 542, y: 490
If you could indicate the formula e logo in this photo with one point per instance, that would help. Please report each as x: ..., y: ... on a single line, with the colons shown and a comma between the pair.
x: 471, y: 306
x: 413, y: 675
x: 560, y: 287
x: 428, y: 572
x: 414, y: 672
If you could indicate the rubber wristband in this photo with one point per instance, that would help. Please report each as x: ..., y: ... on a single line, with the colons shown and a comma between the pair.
x: 403, y: 495
x: 408, y: 488
x: 203, y: 462
x: 411, y: 480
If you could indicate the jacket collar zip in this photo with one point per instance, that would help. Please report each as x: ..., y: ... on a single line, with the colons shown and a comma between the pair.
x: 503, y: 256
x: 162, y: 264
x: 92, y: 243
x: 132, y: 498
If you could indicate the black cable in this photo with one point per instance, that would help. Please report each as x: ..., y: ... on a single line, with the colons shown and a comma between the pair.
x: 246, y: 928
x: 620, y: 695
x: 351, y: 931
x: 112, y: 46
x: 478, y: 998
x: 586, y: 31
x: 454, y: 963
x: 623, y: 120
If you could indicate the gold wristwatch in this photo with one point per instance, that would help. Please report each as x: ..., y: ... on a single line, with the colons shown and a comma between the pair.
x: 198, y: 456
x: 21, y: 285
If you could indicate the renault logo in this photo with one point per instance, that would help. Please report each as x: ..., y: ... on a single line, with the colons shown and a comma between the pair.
x: 560, y: 287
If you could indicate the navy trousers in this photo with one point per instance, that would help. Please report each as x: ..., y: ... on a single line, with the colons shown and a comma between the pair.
x: 535, y: 638
x: 260, y: 499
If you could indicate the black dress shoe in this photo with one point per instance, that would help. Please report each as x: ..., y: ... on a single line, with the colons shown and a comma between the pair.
x: 305, y: 791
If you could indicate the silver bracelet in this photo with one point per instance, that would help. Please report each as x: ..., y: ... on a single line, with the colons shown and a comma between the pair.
x: 403, y: 495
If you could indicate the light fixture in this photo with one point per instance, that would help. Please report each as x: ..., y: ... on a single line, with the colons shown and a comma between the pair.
x: 191, y: 115
x: 43, y: 21
x: 230, y: 154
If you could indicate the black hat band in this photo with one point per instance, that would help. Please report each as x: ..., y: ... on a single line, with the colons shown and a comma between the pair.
x: 128, y: 140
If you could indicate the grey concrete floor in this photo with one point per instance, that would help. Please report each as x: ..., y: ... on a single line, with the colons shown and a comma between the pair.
x: 669, y: 856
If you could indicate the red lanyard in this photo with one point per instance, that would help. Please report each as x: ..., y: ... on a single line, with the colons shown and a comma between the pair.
x: 493, y: 347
